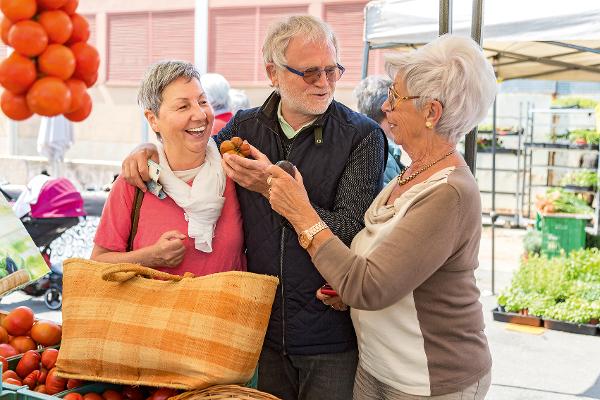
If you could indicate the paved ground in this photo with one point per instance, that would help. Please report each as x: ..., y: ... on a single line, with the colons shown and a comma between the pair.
x: 540, y: 365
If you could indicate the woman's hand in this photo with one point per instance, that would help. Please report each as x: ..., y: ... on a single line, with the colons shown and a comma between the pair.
x: 168, y: 251
x: 334, y: 302
x: 135, y: 166
x: 248, y: 173
x: 288, y: 197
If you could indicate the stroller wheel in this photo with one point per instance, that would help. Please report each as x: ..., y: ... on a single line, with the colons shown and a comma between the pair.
x: 53, y: 299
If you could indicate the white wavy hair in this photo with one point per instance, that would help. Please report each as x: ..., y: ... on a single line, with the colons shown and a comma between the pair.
x: 216, y: 88
x: 279, y: 34
x: 453, y: 70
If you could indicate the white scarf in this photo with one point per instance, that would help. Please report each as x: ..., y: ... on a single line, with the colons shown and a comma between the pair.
x: 203, y: 201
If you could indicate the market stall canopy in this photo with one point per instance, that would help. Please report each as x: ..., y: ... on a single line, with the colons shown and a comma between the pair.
x: 525, y: 39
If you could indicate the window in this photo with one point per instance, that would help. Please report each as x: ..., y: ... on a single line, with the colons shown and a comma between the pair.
x: 136, y: 40
x: 236, y: 37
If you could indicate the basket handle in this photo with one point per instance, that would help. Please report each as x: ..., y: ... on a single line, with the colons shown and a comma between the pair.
x: 124, y: 272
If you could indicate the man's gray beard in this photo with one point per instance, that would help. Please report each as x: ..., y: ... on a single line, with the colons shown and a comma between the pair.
x: 297, y: 103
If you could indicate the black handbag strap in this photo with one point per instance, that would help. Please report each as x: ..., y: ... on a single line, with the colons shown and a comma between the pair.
x: 135, y: 216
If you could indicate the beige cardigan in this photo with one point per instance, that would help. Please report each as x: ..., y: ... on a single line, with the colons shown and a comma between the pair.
x: 410, y: 281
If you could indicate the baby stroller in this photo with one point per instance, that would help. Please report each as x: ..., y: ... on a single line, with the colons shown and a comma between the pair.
x: 58, y: 207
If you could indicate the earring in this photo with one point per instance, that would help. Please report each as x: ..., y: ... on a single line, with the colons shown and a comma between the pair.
x: 428, y: 124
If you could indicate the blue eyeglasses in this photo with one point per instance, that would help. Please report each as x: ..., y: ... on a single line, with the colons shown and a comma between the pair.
x: 312, y: 75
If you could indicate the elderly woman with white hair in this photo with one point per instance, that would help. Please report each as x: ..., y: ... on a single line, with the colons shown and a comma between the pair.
x: 371, y: 93
x: 217, y: 90
x: 409, y: 274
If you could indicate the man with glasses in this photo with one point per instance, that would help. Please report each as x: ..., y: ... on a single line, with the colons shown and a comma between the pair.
x: 310, y: 346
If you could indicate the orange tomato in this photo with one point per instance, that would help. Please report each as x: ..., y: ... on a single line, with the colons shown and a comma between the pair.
x: 51, y: 4
x: 6, y: 350
x: 41, y: 389
x: 83, y: 112
x: 4, y: 27
x: 29, y: 362
x: 3, y: 333
x: 70, y: 6
x: 22, y: 344
x: 73, y: 396
x: 46, y: 333
x: 49, y: 96
x: 57, y: 60
x: 90, y: 80
x: 49, y: 357
x: 13, y: 381
x: 81, y: 29
x: 17, y: 73
x: 9, y: 374
x: 31, y: 380
x: 57, y: 24
x: 73, y: 383
x: 4, y: 363
x: 87, y: 61
x: 19, y: 321
x: 28, y: 38
x: 78, y: 90
x: 112, y: 395
x: 17, y: 10
x: 14, y: 106
x: 92, y: 396
x: 54, y: 384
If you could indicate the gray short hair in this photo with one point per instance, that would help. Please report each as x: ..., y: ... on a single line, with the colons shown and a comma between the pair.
x: 158, y: 77
x: 453, y: 70
x: 239, y: 100
x: 371, y: 93
x: 216, y: 88
x: 279, y: 35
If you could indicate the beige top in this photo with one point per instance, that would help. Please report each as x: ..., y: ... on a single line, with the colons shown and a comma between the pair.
x: 409, y: 278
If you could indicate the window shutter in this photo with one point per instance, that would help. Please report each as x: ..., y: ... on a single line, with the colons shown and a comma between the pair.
x: 91, y: 19
x: 172, y: 36
x: 232, y: 43
x: 347, y: 21
x: 128, y: 53
x: 267, y: 16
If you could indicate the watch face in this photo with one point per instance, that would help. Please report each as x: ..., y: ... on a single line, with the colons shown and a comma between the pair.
x: 304, y: 240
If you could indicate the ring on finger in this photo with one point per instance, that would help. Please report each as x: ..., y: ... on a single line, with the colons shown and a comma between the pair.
x: 269, y: 179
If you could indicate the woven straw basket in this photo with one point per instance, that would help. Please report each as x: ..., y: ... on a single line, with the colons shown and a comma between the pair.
x: 225, y: 392
x: 127, y: 324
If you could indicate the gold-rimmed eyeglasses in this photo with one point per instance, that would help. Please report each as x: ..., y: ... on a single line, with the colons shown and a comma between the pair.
x: 394, y: 98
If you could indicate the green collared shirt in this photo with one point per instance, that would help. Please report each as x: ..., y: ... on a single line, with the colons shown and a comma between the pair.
x: 287, y: 128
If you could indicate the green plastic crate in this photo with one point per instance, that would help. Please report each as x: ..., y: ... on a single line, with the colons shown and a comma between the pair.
x: 561, y: 232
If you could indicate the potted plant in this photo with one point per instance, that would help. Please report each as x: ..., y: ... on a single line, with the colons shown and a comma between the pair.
x: 573, y: 102
x: 580, y: 180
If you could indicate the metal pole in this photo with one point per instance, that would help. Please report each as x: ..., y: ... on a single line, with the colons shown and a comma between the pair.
x: 517, y: 220
x: 365, y: 66
x: 493, y: 215
x: 471, y: 139
x: 445, y: 17
x: 201, y: 36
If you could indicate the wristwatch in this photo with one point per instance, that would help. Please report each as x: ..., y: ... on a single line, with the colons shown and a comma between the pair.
x: 306, y: 237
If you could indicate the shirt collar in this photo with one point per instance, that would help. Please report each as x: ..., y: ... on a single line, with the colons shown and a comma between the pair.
x: 287, y: 128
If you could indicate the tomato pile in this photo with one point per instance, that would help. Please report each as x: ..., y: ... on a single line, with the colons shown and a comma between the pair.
x: 19, y: 333
x: 52, y: 66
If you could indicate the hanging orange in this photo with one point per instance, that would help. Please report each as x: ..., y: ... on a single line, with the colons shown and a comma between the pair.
x: 14, y: 106
x: 57, y: 24
x: 82, y: 112
x: 78, y: 91
x: 28, y: 38
x: 87, y: 61
x: 70, y: 6
x: 51, y: 4
x: 18, y: 10
x: 57, y: 60
x: 49, y: 96
x: 17, y: 73
x: 81, y: 29
x: 4, y: 27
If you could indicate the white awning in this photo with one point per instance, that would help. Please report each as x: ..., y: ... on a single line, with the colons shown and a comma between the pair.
x: 535, y: 39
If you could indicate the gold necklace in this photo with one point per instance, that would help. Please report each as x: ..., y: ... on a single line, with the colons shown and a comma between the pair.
x: 403, y: 181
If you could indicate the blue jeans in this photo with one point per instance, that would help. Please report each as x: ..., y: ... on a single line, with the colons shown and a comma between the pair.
x: 296, y: 377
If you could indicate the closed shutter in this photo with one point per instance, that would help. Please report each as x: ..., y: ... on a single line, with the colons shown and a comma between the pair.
x: 91, y: 19
x: 128, y: 51
x: 172, y: 36
x: 233, y: 43
x: 267, y: 16
x: 347, y: 21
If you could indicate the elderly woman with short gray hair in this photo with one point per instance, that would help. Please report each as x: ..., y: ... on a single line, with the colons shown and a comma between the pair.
x: 371, y: 93
x: 197, y: 228
x: 409, y: 275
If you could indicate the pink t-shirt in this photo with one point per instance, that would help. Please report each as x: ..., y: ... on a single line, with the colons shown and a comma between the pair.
x: 159, y: 216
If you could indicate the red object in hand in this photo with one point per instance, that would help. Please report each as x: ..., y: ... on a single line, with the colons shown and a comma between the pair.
x: 327, y: 290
